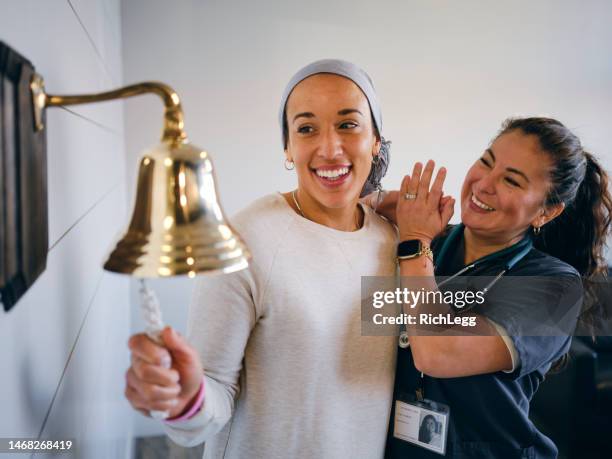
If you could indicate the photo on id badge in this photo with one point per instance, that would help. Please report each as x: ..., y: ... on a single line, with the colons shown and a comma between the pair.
x: 422, y: 423
x: 430, y: 430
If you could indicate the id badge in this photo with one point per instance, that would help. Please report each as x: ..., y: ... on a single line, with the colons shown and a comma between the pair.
x: 422, y: 423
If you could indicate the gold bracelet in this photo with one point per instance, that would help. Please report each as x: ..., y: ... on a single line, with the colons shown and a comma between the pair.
x: 427, y: 252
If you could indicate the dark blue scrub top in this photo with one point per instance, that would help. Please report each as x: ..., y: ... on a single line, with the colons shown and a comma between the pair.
x: 489, y: 412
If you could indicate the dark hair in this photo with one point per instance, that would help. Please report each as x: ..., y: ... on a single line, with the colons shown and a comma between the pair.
x: 424, y: 433
x: 578, y: 235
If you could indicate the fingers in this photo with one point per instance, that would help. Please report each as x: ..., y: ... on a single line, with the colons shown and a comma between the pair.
x: 134, y: 397
x: 152, y: 392
x: 181, y: 350
x: 154, y: 374
x: 423, y: 186
x: 410, y: 183
x: 419, y: 183
x: 144, y: 348
x: 144, y: 406
x: 443, y: 201
x: 413, y: 186
x: 436, y: 189
x: 370, y: 199
x: 404, y: 187
x: 448, y: 209
x: 136, y: 400
x: 147, y: 396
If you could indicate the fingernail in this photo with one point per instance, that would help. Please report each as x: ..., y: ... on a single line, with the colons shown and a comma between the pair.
x: 174, y: 402
x: 166, y: 362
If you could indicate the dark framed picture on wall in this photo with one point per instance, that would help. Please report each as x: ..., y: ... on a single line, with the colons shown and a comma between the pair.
x: 23, y: 181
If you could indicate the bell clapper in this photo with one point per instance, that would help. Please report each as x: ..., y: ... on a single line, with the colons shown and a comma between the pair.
x: 153, y: 325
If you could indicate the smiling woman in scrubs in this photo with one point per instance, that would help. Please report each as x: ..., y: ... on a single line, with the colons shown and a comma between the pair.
x: 534, y: 204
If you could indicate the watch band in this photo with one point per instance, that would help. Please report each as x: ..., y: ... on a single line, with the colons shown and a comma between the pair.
x: 425, y: 250
x: 406, y: 252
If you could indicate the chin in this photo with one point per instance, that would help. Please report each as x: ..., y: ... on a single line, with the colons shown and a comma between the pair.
x: 475, y: 222
x: 336, y: 200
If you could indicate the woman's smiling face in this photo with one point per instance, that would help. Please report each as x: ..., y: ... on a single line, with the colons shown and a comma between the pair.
x: 504, y: 191
x: 331, y: 139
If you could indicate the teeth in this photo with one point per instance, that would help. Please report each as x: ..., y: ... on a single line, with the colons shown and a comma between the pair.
x: 482, y: 205
x: 332, y: 173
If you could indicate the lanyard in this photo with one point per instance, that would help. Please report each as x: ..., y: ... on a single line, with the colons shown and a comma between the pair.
x: 524, y: 246
x: 419, y: 390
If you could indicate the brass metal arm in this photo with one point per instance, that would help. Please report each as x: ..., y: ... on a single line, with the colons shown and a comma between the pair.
x: 173, y: 115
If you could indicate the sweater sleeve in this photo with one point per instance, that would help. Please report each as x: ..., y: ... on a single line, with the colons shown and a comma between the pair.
x: 221, y: 316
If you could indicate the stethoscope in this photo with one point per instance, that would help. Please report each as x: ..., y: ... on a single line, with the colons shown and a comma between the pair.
x: 523, y: 246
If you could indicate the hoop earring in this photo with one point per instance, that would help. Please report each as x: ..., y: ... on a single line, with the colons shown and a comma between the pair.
x: 536, y: 230
x: 289, y: 165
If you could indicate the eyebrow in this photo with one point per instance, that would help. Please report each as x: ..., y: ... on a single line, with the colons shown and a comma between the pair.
x: 344, y: 111
x: 304, y: 115
x: 509, y: 169
x: 347, y: 111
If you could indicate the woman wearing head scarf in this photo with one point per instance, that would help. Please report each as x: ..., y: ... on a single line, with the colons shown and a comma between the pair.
x: 534, y: 206
x: 275, y: 364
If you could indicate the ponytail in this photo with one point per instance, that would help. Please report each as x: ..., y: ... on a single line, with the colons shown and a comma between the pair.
x: 577, y: 236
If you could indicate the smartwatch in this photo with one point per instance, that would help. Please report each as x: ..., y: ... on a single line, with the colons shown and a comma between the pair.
x: 413, y: 248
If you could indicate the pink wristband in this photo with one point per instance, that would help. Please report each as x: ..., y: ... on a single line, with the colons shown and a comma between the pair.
x: 199, y: 401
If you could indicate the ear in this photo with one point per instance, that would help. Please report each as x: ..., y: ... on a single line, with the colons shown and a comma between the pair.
x: 548, y: 214
x: 376, y: 147
x: 288, y: 156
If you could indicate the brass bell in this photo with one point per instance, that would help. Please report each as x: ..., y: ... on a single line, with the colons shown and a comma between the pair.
x: 178, y: 226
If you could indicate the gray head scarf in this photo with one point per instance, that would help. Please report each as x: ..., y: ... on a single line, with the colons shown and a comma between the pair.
x: 380, y: 163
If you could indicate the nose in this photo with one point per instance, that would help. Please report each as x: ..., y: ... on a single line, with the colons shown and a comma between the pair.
x: 331, y: 145
x: 486, y: 183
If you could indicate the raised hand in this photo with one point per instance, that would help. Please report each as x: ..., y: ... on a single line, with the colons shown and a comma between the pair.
x: 422, y: 212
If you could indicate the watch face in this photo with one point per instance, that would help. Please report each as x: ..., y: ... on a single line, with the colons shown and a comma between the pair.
x: 407, y: 248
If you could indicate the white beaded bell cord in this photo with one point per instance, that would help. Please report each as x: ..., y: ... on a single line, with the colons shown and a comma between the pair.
x: 153, y: 325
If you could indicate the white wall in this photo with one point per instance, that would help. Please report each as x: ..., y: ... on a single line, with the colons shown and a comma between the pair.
x: 63, y: 347
x: 447, y: 74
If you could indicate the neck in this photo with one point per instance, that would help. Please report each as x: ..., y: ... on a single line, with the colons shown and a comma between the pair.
x: 478, y: 245
x: 347, y: 218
